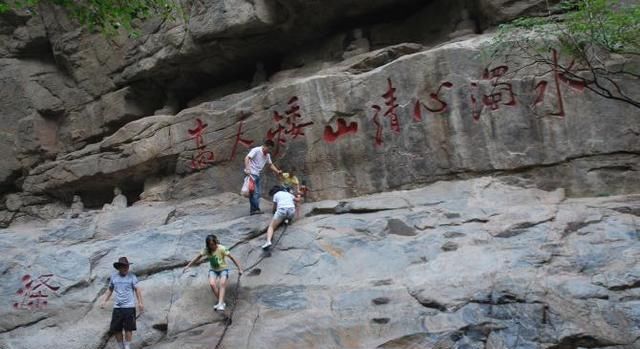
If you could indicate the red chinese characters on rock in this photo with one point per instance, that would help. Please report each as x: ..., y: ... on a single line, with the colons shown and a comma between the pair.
x: 440, y: 106
x: 34, y: 293
x: 202, y: 158
x: 501, y: 92
x: 558, y: 77
x: 276, y: 135
x: 343, y: 129
x: 391, y: 112
x: 287, y: 125
x: 247, y: 143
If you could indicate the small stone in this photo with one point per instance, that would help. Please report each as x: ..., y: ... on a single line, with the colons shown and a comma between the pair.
x: 385, y: 282
x: 381, y: 320
x: 398, y: 227
x: 380, y: 300
x: 453, y: 235
x: 449, y: 246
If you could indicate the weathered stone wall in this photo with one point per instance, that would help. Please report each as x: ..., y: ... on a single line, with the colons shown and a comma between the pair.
x: 359, y: 128
x: 75, y: 88
x: 474, y: 264
x: 362, y: 97
x: 81, y: 119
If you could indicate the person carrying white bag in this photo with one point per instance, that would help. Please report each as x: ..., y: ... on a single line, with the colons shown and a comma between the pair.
x: 253, y: 164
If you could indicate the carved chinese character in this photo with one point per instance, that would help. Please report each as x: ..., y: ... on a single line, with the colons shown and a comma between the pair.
x: 391, y: 112
x: 558, y: 77
x: 287, y: 125
x: 247, y: 143
x: 343, y: 129
x: 203, y: 157
x: 439, y: 106
x: 34, y: 292
x: 501, y: 92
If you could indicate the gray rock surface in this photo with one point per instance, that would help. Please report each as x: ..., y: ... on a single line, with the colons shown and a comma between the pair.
x: 22, y: 34
x: 76, y: 88
x: 372, y: 273
x: 458, y: 209
x: 343, y: 152
x: 33, y: 94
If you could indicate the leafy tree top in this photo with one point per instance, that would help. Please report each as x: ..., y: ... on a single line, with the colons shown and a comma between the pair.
x: 106, y: 16
x: 602, y: 36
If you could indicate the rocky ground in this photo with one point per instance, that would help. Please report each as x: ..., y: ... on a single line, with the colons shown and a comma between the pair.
x: 480, y: 251
x: 480, y: 263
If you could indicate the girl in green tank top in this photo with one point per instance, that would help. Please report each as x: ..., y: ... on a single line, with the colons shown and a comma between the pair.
x: 219, y: 270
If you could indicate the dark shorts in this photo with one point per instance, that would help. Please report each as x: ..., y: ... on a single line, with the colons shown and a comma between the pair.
x: 123, y: 319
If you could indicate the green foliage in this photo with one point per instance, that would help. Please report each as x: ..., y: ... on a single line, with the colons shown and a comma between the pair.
x: 609, y: 24
x: 602, y: 38
x: 106, y: 16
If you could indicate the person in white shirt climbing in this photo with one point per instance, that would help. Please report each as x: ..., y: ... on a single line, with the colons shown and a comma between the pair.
x: 284, y: 208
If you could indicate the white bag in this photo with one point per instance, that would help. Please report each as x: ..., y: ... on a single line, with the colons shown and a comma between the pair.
x: 246, y: 187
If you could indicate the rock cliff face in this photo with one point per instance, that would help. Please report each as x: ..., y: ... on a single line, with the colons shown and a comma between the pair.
x: 77, y: 103
x: 456, y: 201
x: 458, y: 264
x: 364, y: 126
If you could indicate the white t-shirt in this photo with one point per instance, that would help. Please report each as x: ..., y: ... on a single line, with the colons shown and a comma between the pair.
x: 257, y: 160
x: 284, y: 199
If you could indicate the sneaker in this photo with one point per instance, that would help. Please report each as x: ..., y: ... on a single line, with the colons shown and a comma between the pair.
x: 221, y: 307
x: 286, y: 221
x: 267, y: 244
x: 256, y: 212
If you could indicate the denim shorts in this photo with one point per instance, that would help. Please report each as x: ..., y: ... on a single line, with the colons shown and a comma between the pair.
x: 284, y: 213
x: 219, y: 273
